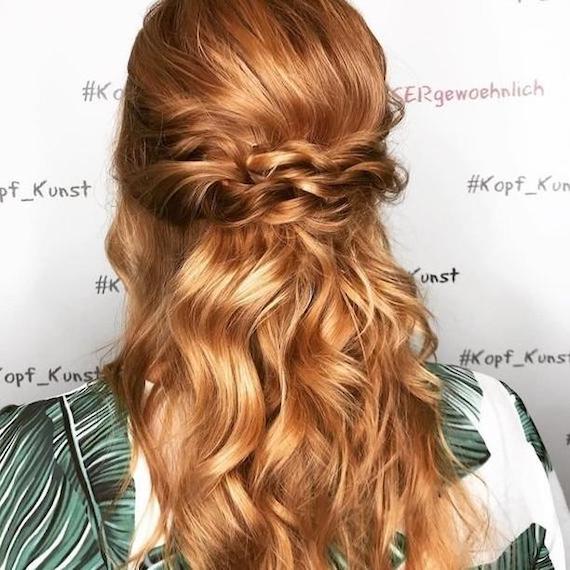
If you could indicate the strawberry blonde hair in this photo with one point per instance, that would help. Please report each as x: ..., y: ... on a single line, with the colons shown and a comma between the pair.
x: 293, y: 416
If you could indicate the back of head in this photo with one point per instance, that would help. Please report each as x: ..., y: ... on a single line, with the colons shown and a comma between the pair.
x: 296, y: 418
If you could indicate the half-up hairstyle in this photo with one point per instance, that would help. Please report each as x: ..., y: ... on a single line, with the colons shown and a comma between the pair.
x: 292, y: 424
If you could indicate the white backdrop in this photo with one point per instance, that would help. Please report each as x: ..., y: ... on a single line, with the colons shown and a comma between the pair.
x: 484, y: 225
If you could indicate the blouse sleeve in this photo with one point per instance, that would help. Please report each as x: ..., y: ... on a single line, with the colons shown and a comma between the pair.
x: 43, y: 522
x: 521, y: 486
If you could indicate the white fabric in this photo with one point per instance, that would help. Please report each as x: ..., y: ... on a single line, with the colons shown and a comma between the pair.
x: 516, y: 489
x: 147, y: 508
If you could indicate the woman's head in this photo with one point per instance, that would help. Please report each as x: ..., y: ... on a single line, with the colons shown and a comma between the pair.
x: 263, y: 113
x: 252, y: 166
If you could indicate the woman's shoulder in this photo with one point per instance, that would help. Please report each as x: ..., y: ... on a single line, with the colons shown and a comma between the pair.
x: 95, y: 389
x: 82, y: 413
x: 74, y: 402
x: 506, y: 463
x: 61, y: 460
x: 484, y: 409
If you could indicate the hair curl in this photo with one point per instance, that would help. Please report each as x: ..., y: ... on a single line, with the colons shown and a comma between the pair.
x: 292, y: 416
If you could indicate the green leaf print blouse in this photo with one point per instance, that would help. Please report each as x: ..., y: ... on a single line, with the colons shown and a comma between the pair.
x: 61, y: 460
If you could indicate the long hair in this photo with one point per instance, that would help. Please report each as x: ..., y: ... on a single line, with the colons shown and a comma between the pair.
x: 293, y: 423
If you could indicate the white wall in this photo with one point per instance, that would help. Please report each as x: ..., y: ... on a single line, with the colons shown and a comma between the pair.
x: 499, y: 261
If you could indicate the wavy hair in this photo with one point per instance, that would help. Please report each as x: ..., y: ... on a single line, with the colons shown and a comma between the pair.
x: 291, y: 422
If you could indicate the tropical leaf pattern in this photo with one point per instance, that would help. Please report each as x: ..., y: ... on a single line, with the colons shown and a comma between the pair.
x: 526, y: 552
x: 397, y: 556
x: 62, y: 459
x: 530, y: 430
x: 398, y: 550
x: 154, y: 560
x: 461, y: 406
x: 43, y: 517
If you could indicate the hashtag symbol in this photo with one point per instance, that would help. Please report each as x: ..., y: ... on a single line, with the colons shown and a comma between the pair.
x: 89, y: 91
x: 101, y: 284
x: 465, y: 357
x: 473, y: 183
